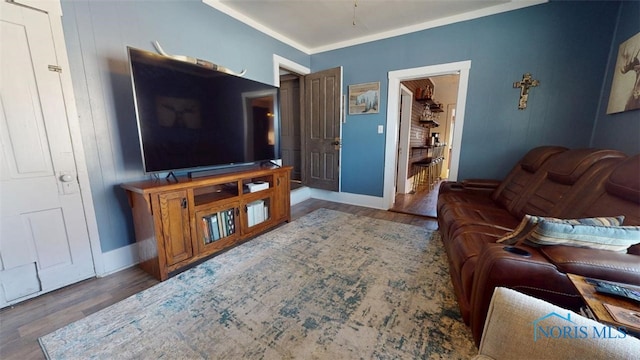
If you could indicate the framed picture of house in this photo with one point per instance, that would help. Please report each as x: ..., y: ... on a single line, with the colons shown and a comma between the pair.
x: 625, y: 87
x: 364, y: 98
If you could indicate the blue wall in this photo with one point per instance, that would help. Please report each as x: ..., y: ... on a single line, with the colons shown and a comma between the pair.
x: 556, y: 42
x: 619, y: 131
x: 566, y: 45
x: 96, y: 34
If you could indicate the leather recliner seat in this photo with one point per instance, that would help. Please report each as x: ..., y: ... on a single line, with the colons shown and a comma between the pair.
x: 548, y: 181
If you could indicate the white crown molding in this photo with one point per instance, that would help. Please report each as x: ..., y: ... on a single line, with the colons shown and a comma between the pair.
x: 493, y: 10
x: 216, y: 4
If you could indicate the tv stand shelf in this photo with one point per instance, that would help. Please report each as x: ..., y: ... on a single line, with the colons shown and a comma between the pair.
x: 207, y: 194
x: 180, y: 223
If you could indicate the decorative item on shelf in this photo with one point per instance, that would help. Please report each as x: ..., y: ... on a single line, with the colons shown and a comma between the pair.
x: 436, y: 107
x: 429, y: 118
x: 192, y: 60
x: 424, y: 94
x: 436, y: 136
x: 524, y: 85
x: 257, y: 186
x: 431, y: 113
x: 428, y: 92
x: 434, y: 139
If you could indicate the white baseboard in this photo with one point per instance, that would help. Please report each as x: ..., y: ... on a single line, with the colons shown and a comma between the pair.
x: 300, y: 194
x: 348, y: 198
x: 119, y: 259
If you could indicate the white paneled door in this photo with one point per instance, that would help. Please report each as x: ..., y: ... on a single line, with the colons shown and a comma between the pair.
x: 44, y: 241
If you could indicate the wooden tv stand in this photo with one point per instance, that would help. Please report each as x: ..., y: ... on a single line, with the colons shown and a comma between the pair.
x: 180, y: 223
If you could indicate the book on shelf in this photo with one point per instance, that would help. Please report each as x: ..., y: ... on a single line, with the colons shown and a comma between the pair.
x: 214, y: 232
x: 206, y: 235
x: 255, y: 212
x: 218, y: 225
x: 258, y: 215
x: 231, y: 223
x: 228, y: 222
x: 222, y: 217
x: 250, y: 208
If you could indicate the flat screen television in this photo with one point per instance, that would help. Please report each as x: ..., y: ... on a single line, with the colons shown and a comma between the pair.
x: 192, y: 117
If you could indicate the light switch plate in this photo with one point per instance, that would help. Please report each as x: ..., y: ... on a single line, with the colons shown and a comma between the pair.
x: 380, y: 129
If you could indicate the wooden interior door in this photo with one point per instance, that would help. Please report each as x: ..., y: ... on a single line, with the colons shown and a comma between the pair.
x: 321, y: 129
x: 290, y: 116
x: 44, y: 241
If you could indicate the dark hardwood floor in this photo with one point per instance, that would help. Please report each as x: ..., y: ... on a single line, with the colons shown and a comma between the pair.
x: 423, y: 202
x: 21, y: 325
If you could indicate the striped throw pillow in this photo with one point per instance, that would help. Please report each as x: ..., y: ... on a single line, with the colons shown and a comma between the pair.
x: 521, y: 232
x: 613, y: 238
x: 529, y: 224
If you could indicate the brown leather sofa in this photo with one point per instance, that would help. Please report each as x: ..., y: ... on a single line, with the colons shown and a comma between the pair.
x: 548, y: 181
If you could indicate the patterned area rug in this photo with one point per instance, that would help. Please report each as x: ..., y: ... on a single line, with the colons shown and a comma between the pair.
x: 329, y: 285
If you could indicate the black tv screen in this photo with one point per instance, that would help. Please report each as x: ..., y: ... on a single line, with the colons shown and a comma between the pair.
x: 190, y: 116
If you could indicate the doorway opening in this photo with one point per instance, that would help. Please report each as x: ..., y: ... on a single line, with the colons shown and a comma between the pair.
x: 311, y: 128
x: 398, y: 146
x: 290, y: 75
x: 291, y: 124
x: 427, y: 118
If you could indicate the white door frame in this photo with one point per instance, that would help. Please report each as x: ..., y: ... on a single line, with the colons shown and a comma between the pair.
x: 54, y: 9
x: 403, y: 184
x: 284, y: 63
x: 395, y: 77
x: 279, y: 62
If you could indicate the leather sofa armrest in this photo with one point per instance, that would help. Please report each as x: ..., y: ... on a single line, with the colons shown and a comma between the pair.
x: 530, y: 273
x: 489, y: 184
x: 482, y: 186
x: 599, y: 264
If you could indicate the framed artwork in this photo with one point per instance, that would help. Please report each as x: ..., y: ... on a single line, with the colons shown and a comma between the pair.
x: 625, y: 87
x: 364, y: 98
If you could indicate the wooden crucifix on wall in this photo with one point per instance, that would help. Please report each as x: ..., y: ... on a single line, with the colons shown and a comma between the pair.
x: 524, y: 85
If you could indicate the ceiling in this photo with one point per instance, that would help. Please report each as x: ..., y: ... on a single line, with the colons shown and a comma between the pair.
x: 314, y: 26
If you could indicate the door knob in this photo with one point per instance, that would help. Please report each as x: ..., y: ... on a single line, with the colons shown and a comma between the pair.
x: 66, y: 178
x: 336, y: 143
